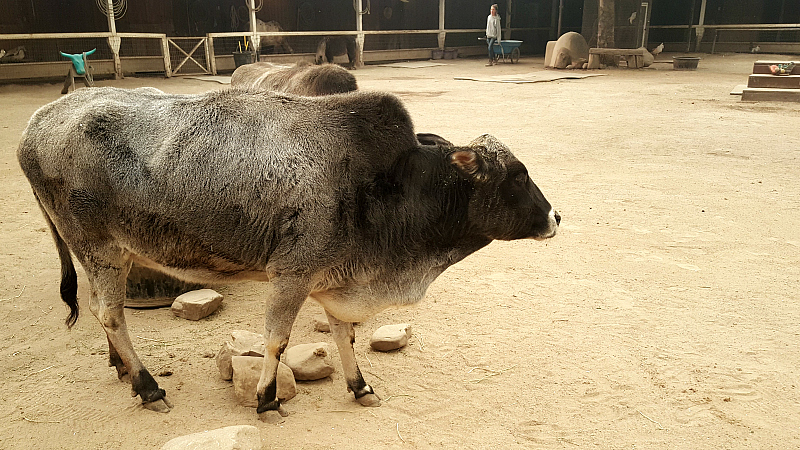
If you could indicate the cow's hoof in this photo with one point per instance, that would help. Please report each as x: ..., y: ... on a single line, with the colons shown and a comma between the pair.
x: 369, y: 400
x: 161, y: 405
x: 273, y: 416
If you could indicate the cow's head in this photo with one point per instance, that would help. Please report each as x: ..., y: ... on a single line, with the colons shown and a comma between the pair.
x: 505, y: 203
x: 319, y: 57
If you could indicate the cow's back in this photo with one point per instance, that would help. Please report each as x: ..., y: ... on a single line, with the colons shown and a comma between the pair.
x: 216, y: 168
x: 299, y: 79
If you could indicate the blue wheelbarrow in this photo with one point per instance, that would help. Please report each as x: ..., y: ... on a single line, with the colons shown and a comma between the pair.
x: 507, y: 50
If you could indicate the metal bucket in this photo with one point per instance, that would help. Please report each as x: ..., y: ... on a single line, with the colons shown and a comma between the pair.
x: 685, y: 62
x: 242, y: 58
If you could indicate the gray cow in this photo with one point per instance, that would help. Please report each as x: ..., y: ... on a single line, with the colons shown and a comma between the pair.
x: 332, y: 198
x: 300, y: 79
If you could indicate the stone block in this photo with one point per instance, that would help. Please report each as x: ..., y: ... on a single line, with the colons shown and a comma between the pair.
x: 390, y: 337
x: 195, y: 305
x: 309, y: 361
x: 247, y: 372
x: 238, y: 437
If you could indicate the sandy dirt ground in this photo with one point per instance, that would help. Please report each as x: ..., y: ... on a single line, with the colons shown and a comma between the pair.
x: 663, y: 315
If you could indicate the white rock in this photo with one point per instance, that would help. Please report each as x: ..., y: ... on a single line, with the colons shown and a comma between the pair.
x: 248, y: 343
x: 287, y: 387
x: 246, y: 373
x: 195, y: 305
x: 309, y: 361
x: 224, y: 361
x: 321, y: 324
x: 390, y: 337
x: 242, y: 343
x: 239, y: 437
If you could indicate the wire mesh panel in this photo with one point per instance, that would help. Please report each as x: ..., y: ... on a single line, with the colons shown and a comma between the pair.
x: 464, y: 39
x: 136, y: 47
x: 47, y: 50
x: 401, y: 41
x: 29, y: 57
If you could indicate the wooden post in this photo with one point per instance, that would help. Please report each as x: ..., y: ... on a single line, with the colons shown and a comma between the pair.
x: 442, y: 33
x: 605, y: 30
x: 699, y: 31
x: 255, y: 39
x: 167, y: 60
x: 212, y: 59
x: 560, y: 14
x: 114, y: 40
x: 508, y: 20
x: 360, y: 35
x: 554, y: 20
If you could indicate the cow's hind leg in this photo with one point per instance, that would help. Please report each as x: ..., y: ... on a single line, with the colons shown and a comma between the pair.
x: 344, y: 335
x: 107, y: 303
x: 286, y: 296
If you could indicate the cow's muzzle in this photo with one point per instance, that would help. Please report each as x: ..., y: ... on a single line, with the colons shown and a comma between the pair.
x: 553, y: 220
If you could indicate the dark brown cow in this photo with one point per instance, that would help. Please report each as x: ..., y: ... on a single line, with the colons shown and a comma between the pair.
x: 330, y: 47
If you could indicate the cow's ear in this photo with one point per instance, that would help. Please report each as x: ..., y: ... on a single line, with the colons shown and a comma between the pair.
x: 469, y: 164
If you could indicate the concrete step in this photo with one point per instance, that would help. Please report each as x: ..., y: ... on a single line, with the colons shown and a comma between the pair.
x: 774, y: 81
x: 770, y: 94
x: 762, y: 66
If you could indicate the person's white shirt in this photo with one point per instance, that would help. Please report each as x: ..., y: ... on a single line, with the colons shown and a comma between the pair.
x: 493, y: 27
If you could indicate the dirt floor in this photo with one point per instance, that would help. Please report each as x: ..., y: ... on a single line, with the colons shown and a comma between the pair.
x: 663, y: 315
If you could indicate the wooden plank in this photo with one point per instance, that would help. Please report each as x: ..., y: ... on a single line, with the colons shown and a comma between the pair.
x: 79, y: 35
x: 774, y: 81
x: 772, y: 95
x: 617, y: 51
x: 762, y: 67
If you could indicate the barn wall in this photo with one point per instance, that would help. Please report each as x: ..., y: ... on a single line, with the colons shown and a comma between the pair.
x: 685, y: 12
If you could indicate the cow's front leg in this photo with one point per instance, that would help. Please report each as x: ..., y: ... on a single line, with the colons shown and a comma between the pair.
x: 107, y: 304
x: 286, y: 296
x: 115, y: 361
x: 345, y: 336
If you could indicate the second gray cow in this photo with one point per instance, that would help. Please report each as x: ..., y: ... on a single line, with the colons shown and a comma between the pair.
x: 300, y: 79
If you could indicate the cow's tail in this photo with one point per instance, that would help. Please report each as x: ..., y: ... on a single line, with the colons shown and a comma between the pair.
x: 69, y: 279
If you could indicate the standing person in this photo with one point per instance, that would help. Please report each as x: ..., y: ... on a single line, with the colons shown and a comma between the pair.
x: 492, y: 32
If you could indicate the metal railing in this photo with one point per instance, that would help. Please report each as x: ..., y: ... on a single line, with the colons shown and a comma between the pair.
x: 717, y: 29
x: 155, y: 52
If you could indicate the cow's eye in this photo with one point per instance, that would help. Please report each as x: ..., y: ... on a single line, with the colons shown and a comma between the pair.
x: 521, y: 178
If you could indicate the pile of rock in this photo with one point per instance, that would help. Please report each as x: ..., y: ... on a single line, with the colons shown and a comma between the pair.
x: 241, y: 357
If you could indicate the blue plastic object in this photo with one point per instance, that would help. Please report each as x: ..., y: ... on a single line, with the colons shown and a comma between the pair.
x: 78, y: 60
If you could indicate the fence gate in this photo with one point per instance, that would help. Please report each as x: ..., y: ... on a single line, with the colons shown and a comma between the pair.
x: 187, y: 56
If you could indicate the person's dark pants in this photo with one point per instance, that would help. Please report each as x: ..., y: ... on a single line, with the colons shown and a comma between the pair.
x: 490, y: 42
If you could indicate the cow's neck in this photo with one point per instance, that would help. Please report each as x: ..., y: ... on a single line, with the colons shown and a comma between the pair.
x: 425, y: 204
